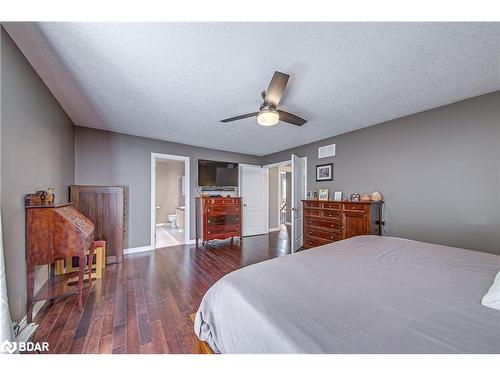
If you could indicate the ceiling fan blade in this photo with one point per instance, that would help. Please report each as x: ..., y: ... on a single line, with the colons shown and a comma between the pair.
x: 240, y: 117
x: 276, y: 88
x: 291, y: 118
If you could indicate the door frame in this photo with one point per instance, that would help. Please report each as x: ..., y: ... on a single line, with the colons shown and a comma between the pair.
x: 273, y: 165
x: 304, y: 197
x: 240, y: 185
x: 187, y: 196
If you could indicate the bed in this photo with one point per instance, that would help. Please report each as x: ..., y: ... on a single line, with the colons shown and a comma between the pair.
x: 367, y: 294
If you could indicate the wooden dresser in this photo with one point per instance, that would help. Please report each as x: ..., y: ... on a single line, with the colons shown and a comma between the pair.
x: 330, y: 221
x: 217, y: 218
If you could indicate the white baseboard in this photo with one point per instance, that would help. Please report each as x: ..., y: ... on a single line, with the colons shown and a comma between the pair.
x: 288, y: 223
x: 274, y: 229
x: 139, y: 249
x: 162, y: 224
x: 36, y: 309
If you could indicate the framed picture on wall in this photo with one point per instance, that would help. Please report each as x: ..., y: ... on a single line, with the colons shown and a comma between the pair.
x: 324, y: 172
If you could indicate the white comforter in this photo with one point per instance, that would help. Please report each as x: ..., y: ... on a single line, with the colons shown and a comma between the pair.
x: 368, y: 294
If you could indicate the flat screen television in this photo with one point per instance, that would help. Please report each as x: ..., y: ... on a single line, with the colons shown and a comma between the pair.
x: 217, y: 174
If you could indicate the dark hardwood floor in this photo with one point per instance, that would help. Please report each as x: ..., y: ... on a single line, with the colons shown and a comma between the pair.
x: 143, y: 304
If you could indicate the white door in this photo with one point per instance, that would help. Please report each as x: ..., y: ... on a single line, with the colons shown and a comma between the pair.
x: 298, y: 193
x: 254, y: 186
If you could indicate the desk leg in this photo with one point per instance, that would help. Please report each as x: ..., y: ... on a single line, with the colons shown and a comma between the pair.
x: 30, y: 287
x: 90, y: 261
x: 81, y: 273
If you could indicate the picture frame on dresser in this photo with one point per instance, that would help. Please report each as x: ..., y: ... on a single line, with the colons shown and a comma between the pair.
x: 323, y: 194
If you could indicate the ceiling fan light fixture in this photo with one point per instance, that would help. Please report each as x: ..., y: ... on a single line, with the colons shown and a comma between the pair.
x: 268, y: 117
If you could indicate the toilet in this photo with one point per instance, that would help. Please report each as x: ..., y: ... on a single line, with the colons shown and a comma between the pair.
x: 171, y: 220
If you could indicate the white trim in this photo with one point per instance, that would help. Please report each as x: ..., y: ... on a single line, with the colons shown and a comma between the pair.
x: 187, y: 195
x: 280, y: 163
x: 267, y: 200
x: 305, y: 176
x: 288, y: 223
x: 139, y: 249
x: 162, y: 224
x: 274, y: 229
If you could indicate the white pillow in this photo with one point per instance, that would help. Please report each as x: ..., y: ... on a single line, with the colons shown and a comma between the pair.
x: 492, y: 298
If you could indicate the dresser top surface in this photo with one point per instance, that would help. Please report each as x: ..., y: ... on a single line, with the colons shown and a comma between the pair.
x: 330, y: 201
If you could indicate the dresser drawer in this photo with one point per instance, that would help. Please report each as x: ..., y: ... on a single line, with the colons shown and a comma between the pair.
x: 355, y: 207
x: 310, y: 204
x: 332, y: 225
x: 331, y: 205
x: 217, y: 229
x: 312, y: 212
x: 221, y: 219
x: 331, y: 214
x: 221, y: 236
x: 217, y: 201
x: 225, y: 210
x: 314, y: 242
x: 325, y: 235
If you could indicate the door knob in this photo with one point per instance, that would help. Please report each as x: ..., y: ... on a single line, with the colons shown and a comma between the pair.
x: 244, y: 205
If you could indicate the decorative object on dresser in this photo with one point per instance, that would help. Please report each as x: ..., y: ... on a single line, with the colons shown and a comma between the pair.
x: 323, y: 194
x: 105, y: 206
x: 330, y: 221
x: 55, y: 232
x: 365, y: 198
x: 324, y: 172
x: 355, y: 197
x: 377, y: 196
x: 337, y: 196
x: 217, y: 218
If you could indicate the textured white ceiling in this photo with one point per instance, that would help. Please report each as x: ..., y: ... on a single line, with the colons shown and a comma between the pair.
x: 175, y: 81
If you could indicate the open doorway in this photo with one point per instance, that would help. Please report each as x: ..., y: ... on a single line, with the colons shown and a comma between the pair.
x: 280, y: 185
x: 287, y: 189
x: 170, y: 200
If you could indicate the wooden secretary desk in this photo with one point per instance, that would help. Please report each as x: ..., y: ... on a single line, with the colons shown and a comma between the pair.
x: 330, y: 221
x: 55, y: 232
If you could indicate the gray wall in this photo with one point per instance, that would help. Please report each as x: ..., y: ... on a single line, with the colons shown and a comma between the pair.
x: 273, y: 197
x: 37, y: 152
x: 106, y: 158
x: 168, y: 188
x: 439, y: 172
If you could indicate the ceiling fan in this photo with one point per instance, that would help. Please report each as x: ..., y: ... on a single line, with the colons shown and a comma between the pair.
x: 268, y: 114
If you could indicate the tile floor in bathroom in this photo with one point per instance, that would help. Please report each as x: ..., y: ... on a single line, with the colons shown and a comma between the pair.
x: 167, y: 236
